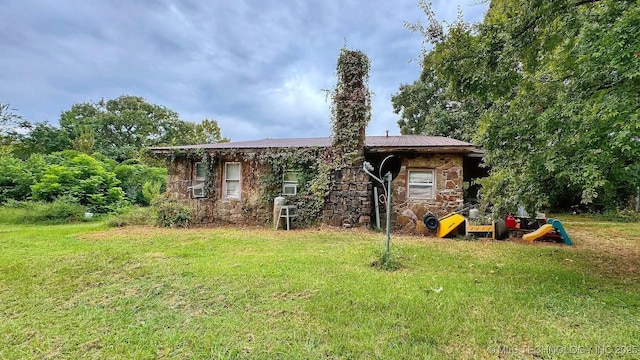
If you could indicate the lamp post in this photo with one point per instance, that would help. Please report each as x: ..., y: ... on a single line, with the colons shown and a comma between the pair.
x: 368, y: 168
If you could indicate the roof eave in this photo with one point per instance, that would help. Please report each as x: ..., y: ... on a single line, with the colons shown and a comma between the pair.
x: 172, y: 149
x: 421, y: 149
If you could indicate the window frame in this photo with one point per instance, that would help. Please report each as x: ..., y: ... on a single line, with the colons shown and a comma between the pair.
x: 289, y: 183
x: 197, y: 191
x: 197, y: 187
x: 419, y: 184
x: 225, y: 180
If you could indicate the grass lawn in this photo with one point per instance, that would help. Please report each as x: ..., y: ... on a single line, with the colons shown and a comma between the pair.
x: 85, y: 291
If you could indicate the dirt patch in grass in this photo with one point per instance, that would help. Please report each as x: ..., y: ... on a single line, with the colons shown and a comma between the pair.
x: 136, y: 232
x: 610, y: 252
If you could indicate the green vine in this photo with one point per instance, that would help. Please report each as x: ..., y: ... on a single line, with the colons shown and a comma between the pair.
x: 312, y: 180
x: 351, y: 108
x: 309, y: 163
x: 210, y: 179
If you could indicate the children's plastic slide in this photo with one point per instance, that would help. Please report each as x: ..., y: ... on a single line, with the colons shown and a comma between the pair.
x: 542, y: 231
x: 552, y: 224
x: 557, y: 225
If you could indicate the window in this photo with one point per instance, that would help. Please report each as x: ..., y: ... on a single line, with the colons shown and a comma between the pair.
x: 420, y: 184
x: 199, y: 176
x: 290, y: 183
x: 231, y: 183
x: 200, y: 171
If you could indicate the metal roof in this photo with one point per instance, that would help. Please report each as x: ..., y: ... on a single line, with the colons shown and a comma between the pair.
x: 412, y: 141
x: 372, y: 143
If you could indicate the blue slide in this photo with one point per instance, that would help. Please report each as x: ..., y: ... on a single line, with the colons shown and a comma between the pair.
x: 557, y: 225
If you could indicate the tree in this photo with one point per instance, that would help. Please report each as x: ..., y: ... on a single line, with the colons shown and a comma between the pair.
x: 206, y: 132
x: 426, y: 109
x: 10, y: 124
x: 41, y: 138
x: 553, y: 87
x: 85, y: 141
x: 124, y: 126
x: 575, y: 101
x: 433, y: 104
x: 17, y: 176
x: 133, y: 178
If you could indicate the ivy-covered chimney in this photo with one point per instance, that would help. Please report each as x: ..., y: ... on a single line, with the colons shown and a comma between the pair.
x: 351, y: 109
x: 348, y: 202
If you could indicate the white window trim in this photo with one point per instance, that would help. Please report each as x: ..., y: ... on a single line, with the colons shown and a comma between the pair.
x: 197, y: 191
x: 224, y: 180
x: 433, y: 183
x: 289, y: 184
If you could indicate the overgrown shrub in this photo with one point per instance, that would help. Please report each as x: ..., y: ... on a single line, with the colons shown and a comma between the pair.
x: 135, y: 215
x: 12, y: 213
x: 60, y: 211
x: 17, y: 176
x: 134, y: 177
x: 151, y: 190
x: 82, y: 177
x: 626, y: 215
x: 172, y: 213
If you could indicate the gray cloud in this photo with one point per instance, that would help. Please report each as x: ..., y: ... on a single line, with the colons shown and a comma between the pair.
x: 258, y: 67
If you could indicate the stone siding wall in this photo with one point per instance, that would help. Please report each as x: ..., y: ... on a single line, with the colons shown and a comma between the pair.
x: 248, y: 210
x: 349, y: 200
x: 448, y: 190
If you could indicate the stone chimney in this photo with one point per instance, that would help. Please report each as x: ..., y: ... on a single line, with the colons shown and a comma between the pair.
x: 351, y: 110
x: 349, y: 200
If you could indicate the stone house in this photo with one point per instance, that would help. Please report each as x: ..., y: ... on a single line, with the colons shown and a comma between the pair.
x: 236, y: 182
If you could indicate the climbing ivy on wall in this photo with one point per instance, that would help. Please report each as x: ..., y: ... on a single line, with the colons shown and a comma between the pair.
x: 351, y: 107
x: 312, y: 179
x: 309, y: 163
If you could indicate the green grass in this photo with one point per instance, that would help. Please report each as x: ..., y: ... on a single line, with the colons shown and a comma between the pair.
x: 85, y: 291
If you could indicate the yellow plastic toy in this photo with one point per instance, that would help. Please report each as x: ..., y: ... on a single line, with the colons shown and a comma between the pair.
x: 542, y: 231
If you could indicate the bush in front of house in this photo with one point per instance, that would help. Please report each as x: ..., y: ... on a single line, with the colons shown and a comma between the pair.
x: 140, y: 183
x: 172, y: 213
x: 134, y: 215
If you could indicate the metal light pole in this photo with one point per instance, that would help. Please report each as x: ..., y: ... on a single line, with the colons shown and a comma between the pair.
x: 388, y: 177
x: 368, y: 168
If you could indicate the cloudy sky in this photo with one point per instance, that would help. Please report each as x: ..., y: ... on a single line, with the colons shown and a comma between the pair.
x: 259, y: 67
